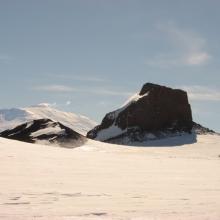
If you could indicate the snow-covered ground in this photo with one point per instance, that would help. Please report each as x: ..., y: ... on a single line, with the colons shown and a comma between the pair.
x: 103, y: 181
x: 10, y: 118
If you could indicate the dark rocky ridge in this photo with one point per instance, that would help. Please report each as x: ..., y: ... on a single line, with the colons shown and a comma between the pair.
x: 158, y: 111
x: 199, y: 129
x: 45, y: 131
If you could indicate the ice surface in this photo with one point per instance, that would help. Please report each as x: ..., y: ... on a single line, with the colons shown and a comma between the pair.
x: 104, y: 182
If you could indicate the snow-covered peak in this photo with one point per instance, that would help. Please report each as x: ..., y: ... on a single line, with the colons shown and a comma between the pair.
x: 10, y: 118
x: 43, y: 105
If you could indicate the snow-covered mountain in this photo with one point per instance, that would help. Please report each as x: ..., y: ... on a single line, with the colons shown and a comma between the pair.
x: 45, y: 131
x: 10, y: 118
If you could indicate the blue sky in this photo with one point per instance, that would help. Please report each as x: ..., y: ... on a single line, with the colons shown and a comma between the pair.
x: 89, y: 56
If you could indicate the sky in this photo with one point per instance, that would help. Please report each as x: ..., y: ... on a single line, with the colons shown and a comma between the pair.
x: 90, y: 56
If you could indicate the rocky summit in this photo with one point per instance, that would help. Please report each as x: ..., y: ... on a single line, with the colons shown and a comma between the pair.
x: 154, y: 112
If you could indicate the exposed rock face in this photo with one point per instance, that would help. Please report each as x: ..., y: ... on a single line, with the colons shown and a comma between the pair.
x: 154, y: 110
x: 45, y: 131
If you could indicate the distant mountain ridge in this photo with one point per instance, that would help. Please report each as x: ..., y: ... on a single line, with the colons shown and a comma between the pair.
x: 10, y: 118
x: 155, y: 113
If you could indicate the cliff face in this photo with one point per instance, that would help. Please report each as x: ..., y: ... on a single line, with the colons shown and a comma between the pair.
x: 154, y: 109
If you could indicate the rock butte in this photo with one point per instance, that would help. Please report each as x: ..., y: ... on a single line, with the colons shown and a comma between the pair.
x: 155, y: 109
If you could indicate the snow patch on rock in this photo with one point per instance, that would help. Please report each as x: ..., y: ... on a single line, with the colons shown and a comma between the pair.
x: 110, y: 132
x: 48, y: 131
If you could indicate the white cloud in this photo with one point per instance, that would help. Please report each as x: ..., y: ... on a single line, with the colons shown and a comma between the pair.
x: 202, y: 93
x: 189, y: 47
x: 54, y: 88
x: 197, y: 58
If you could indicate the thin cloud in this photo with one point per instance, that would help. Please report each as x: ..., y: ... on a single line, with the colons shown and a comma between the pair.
x: 54, y: 88
x: 91, y: 90
x: 189, y: 48
x: 202, y: 93
x: 89, y: 78
x: 110, y: 92
x: 197, y: 58
x: 84, y: 78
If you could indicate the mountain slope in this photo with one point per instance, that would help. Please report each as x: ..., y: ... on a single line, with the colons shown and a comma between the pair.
x: 10, y: 118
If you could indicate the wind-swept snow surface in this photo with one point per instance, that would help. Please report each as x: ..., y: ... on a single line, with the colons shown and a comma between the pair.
x: 10, y: 118
x: 103, y: 181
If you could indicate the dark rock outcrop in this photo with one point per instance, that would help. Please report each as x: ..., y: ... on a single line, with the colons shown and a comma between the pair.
x: 199, y: 129
x: 45, y: 131
x: 155, y: 110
